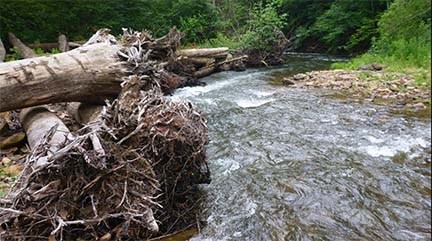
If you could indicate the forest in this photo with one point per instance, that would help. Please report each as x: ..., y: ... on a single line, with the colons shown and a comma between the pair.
x: 215, y: 120
x: 346, y: 27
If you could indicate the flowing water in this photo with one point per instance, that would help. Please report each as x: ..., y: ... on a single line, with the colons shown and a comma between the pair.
x: 292, y: 164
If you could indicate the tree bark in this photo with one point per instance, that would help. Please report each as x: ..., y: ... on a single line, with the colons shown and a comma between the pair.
x: 208, y: 52
x: 86, y: 74
x: 204, y: 71
x: 201, y: 61
x: 63, y: 43
x: 23, y: 50
x: 38, y: 121
x: 2, y: 51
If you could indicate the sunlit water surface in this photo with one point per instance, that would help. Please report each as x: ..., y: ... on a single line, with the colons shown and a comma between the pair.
x: 292, y: 164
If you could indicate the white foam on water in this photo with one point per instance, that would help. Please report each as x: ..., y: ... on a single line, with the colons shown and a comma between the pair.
x: 228, y: 165
x: 248, y: 103
x: 391, y: 147
x: 263, y: 93
x: 374, y: 140
x: 198, y: 90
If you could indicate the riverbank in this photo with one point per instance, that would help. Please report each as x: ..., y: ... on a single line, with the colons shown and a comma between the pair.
x: 391, y: 88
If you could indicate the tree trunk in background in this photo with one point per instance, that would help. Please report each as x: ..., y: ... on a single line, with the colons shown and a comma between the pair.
x: 2, y: 51
x: 23, y: 50
x: 63, y: 43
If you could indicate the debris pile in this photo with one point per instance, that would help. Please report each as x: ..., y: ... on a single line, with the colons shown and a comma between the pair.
x: 131, y: 172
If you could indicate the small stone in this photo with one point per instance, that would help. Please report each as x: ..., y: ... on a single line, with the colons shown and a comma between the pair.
x: 377, y: 67
x: 300, y: 77
x: 6, y: 161
x: 287, y: 81
x: 394, y: 88
x: 419, y: 105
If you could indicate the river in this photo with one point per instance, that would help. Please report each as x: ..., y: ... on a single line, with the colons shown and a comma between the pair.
x: 295, y: 164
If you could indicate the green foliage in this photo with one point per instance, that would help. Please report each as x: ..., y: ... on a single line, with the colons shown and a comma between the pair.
x: 221, y: 40
x: 264, y: 21
x: 406, y: 19
x: 404, y: 43
x: 347, y: 26
x: 13, y: 55
x: 43, y: 21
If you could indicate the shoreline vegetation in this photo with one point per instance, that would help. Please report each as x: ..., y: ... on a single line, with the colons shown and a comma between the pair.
x: 396, y: 70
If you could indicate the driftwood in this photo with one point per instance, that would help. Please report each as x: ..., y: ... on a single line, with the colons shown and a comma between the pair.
x: 91, y: 73
x: 228, y: 64
x: 205, y: 52
x: 2, y: 51
x: 154, y: 155
x: 205, y: 71
x: 201, y: 61
x: 23, y: 50
x: 38, y: 121
x: 63, y: 43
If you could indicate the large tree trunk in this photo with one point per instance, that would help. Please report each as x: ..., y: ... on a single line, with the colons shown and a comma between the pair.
x: 23, y: 50
x: 89, y: 74
x: 2, y: 51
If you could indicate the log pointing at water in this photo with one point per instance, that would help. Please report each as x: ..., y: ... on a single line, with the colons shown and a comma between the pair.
x: 89, y: 74
x: 23, y: 50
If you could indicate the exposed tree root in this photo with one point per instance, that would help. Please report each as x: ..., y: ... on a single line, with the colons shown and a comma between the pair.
x: 141, y: 181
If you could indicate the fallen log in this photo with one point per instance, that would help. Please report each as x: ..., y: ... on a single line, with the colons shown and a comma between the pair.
x: 201, y: 61
x: 206, y: 71
x: 37, y: 122
x: 23, y: 50
x: 91, y: 73
x: 204, y: 52
x: 2, y: 51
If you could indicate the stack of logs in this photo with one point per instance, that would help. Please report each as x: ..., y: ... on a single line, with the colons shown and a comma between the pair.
x: 138, y: 157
